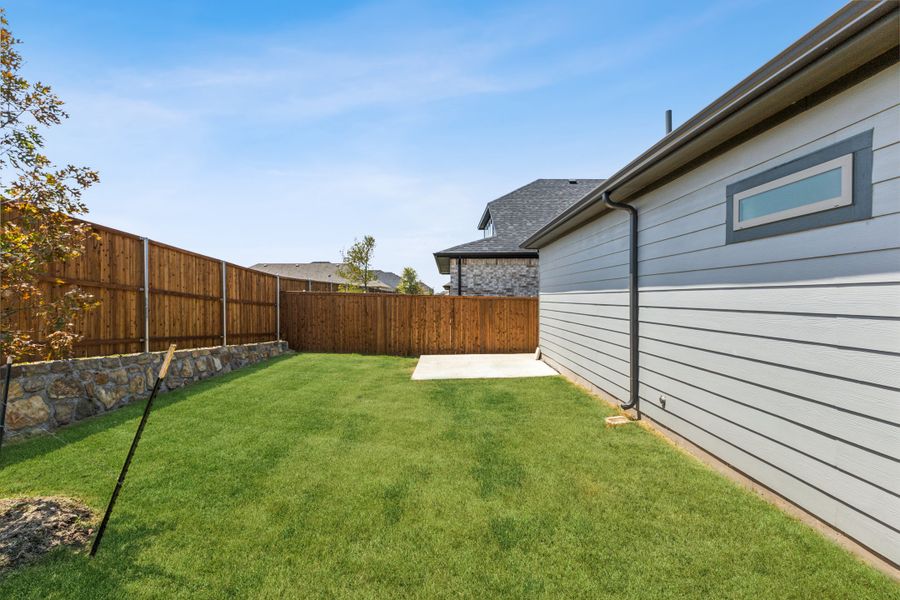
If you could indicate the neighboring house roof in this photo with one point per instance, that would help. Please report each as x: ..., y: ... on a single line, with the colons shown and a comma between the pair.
x: 518, y: 214
x: 815, y: 67
x: 327, y: 272
x: 386, y: 277
x: 322, y: 271
x: 393, y: 280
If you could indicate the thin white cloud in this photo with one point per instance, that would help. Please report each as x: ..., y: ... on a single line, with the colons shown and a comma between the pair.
x: 151, y: 132
x: 304, y: 75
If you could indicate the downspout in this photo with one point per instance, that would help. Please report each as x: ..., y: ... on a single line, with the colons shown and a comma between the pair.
x: 459, y: 275
x: 633, y: 400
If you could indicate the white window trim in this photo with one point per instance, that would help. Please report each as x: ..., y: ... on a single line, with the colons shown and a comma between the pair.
x: 845, y: 162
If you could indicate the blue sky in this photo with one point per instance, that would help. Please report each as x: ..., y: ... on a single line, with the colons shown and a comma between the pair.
x: 280, y: 131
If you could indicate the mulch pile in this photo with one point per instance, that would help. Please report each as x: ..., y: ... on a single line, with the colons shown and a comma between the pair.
x: 31, y: 527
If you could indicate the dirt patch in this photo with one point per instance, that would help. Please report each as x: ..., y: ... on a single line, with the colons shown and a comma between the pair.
x: 31, y: 527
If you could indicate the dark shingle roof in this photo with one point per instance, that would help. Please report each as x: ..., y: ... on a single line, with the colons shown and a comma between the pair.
x: 519, y: 214
x: 319, y: 271
x: 393, y: 280
x: 327, y: 272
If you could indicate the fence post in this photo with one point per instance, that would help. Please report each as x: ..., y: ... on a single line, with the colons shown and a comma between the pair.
x: 146, y: 294
x: 278, y: 307
x: 224, y: 307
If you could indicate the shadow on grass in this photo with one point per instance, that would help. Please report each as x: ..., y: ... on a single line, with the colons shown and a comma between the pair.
x: 29, y: 447
x: 107, y: 575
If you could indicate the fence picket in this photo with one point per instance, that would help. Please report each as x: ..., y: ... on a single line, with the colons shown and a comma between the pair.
x: 408, y: 325
x: 152, y: 294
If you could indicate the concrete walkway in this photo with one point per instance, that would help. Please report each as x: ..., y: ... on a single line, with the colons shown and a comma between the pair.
x: 480, y: 366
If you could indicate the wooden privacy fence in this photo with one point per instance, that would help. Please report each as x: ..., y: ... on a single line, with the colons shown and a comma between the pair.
x: 306, y: 285
x: 408, y: 325
x: 151, y: 294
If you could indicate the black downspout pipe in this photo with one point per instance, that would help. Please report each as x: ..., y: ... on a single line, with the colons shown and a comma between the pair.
x: 459, y: 275
x: 634, y: 397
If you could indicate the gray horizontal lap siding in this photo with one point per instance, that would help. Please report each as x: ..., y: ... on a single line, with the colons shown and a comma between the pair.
x: 782, y: 355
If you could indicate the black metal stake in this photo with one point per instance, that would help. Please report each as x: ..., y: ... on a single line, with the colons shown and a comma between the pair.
x: 9, y: 363
x: 137, y: 438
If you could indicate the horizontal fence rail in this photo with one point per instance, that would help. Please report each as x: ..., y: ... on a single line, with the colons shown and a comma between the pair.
x: 307, y: 285
x: 151, y: 294
x: 408, y: 325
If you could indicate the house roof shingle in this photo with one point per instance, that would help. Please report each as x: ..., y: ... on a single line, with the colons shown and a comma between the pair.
x: 517, y: 215
x: 327, y: 272
x: 317, y: 271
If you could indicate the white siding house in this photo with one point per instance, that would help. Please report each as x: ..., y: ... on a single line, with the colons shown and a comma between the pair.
x: 769, y: 332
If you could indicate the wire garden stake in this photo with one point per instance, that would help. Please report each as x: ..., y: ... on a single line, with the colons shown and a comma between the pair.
x: 137, y: 438
x: 9, y: 363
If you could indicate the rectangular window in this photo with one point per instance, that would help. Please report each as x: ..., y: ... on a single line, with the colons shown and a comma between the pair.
x: 830, y: 186
x: 823, y: 187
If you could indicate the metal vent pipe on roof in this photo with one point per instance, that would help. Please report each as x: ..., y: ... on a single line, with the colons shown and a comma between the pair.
x: 633, y: 337
x: 668, y: 121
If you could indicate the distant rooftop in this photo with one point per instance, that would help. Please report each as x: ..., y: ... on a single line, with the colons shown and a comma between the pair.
x: 512, y: 218
x: 325, y: 271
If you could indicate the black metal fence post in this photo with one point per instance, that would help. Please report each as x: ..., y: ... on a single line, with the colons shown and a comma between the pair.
x: 137, y: 438
x: 9, y: 365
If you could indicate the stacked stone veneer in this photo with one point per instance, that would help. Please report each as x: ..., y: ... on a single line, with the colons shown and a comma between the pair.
x: 496, y: 277
x: 46, y: 395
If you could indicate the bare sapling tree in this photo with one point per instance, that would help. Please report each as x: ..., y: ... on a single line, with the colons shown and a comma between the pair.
x: 356, y: 266
x: 37, y: 312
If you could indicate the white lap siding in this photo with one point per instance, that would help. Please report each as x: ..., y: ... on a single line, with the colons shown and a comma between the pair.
x: 781, y: 356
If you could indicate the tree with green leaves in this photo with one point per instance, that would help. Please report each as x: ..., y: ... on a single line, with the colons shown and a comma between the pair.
x: 356, y: 266
x: 409, y: 282
x: 36, y: 198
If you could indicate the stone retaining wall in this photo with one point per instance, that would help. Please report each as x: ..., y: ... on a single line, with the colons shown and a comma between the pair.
x: 46, y: 395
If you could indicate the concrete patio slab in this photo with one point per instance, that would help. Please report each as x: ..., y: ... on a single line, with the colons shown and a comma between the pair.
x: 480, y: 366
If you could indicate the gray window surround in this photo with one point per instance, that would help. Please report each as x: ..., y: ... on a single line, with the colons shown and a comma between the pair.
x: 859, y: 145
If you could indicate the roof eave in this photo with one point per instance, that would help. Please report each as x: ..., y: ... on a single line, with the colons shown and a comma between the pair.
x: 856, y: 34
x: 485, y: 217
x: 442, y: 259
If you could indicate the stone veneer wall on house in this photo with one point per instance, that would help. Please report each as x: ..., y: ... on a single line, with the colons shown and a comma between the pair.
x: 46, y: 395
x: 496, y: 277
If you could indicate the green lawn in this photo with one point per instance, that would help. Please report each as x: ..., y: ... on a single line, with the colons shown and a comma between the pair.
x: 338, y: 476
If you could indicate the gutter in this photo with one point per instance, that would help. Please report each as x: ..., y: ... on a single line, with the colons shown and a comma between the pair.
x: 524, y: 253
x: 633, y: 305
x: 446, y: 256
x: 825, y: 39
